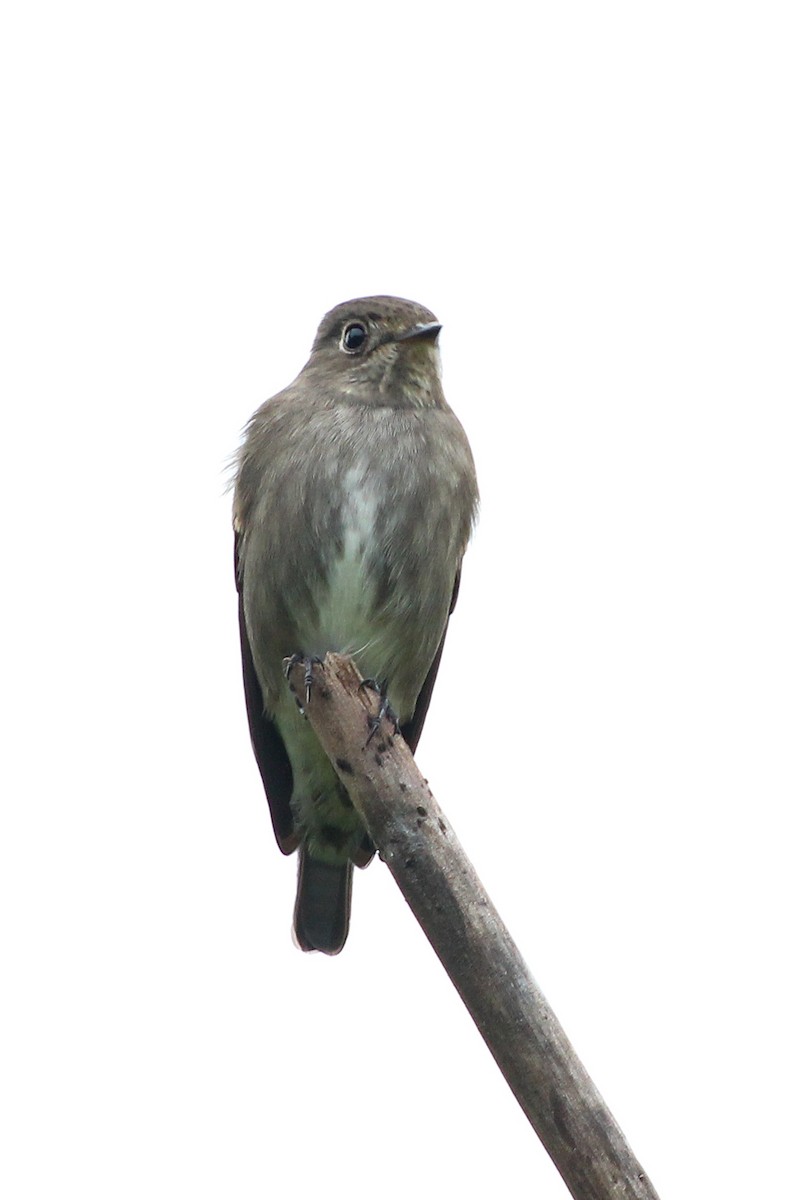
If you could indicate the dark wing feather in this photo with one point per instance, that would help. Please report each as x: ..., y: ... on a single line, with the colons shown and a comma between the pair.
x: 412, y: 729
x: 271, y: 757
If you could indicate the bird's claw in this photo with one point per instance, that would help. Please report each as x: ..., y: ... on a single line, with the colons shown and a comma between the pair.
x: 309, y: 661
x: 384, y: 709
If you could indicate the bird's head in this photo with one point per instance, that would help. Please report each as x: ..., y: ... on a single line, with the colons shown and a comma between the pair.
x: 379, y: 350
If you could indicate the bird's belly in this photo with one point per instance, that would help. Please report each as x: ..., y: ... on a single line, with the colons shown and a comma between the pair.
x: 391, y: 631
x: 345, y: 612
x: 350, y: 616
x: 345, y: 617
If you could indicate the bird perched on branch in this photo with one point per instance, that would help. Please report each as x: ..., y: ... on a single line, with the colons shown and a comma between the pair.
x: 355, y: 495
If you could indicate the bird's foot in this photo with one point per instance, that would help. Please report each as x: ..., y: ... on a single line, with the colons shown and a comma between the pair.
x: 384, y: 709
x: 309, y: 661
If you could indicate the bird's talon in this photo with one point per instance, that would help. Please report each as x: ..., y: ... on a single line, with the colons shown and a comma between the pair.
x: 373, y: 724
x: 309, y: 661
x: 384, y: 709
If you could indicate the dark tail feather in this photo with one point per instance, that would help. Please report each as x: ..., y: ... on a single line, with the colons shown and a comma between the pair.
x: 322, y: 908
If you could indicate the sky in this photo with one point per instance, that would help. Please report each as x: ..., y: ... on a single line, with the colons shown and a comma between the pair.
x: 600, y: 203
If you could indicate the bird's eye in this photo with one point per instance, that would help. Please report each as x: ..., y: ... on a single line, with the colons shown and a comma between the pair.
x: 353, y: 337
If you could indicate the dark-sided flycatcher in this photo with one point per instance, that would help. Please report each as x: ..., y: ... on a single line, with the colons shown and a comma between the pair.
x: 355, y: 496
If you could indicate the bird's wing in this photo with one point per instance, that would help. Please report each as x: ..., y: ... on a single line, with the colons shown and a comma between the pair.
x: 412, y: 729
x: 273, y: 761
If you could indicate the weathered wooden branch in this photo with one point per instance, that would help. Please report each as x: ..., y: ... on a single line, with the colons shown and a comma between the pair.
x: 437, y: 879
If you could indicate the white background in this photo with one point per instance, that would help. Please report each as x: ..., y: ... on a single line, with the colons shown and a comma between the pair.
x: 600, y: 202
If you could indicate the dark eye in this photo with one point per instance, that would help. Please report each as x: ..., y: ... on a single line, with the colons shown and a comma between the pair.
x: 353, y: 337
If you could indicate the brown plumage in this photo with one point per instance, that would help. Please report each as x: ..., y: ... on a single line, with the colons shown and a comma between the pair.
x: 355, y: 496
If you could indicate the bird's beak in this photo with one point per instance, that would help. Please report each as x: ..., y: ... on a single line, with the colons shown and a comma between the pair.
x: 431, y: 331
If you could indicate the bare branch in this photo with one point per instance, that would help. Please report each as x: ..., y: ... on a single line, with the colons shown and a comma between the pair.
x: 418, y: 845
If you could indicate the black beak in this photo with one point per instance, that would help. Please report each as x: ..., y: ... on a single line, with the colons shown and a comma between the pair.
x: 431, y: 330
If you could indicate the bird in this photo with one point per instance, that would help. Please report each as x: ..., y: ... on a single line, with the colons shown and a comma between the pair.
x: 355, y: 495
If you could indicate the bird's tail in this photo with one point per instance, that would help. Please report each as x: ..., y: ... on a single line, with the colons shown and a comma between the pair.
x: 322, y: 908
